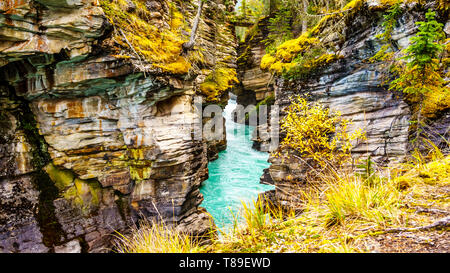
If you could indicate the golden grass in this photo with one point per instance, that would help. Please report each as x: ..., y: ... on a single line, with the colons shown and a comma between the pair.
x: 338, y: 215
x: 351, y: 198
x: 155, y: 238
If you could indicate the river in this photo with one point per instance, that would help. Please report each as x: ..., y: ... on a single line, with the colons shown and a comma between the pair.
x: 234, y: 177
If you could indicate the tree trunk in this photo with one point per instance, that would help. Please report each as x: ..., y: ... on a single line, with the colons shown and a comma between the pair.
x: 305, y: 11
x: 272, y: 6
x: 189, y: 45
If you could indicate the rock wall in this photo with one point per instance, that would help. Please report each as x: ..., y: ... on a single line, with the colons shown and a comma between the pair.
x: 94, y: 136
x: 354, y: 86
x: 254, y: 83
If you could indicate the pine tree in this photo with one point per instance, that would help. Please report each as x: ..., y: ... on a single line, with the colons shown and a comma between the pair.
x: 420, y: 77
x: 421, y: 74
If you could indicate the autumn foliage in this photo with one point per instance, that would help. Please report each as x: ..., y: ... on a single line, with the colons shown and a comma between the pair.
x: 316, y: 132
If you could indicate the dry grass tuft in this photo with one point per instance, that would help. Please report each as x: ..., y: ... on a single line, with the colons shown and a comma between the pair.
x: 156, y: 238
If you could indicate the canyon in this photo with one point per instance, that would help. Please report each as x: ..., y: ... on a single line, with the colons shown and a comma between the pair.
x: 90, y: 131
x: 352, y: 85
x: 97, y: 107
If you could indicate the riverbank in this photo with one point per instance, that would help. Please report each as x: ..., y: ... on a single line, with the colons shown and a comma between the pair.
x: 389, y: 216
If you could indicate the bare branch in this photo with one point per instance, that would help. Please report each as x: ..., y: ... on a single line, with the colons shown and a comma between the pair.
x: 189, y: 45
x: 442, y: 223
x: 130, y: 45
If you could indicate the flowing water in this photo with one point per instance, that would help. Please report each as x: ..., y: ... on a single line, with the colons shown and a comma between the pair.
x: 234, y: 177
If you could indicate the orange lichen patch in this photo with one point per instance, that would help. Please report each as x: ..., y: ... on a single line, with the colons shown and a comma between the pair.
x: 162, y: 47
x: 135, y: 205
x: 41, y: 43
x: 89, y: 150
x: 75, y: 109
x: 49, y: 107
x: 9, y: 6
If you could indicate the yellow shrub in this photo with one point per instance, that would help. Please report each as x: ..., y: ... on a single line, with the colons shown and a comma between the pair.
x: 316, y: 132
x: 291, y: 48
x: 280, y: 67
x: 267, y: 61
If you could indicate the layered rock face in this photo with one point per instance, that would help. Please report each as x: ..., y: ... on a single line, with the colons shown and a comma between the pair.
x: 92, y: 140
x: 354, y: 86
x: 254, y: 83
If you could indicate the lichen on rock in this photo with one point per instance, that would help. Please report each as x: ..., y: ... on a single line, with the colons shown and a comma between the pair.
x: 140, y: 29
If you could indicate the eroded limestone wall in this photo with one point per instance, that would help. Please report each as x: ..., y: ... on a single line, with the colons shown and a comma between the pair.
x: 92, y: 141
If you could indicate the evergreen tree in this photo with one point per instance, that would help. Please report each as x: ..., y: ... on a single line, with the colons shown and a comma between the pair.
x: 420, y: 77
x: 421, y: 74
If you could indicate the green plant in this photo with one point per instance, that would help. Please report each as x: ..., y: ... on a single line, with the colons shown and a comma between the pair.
x: 368, y: 171
x: 389, y: 23
x: 420, y: 77
x: 422, y: 55
x: 280, y: 29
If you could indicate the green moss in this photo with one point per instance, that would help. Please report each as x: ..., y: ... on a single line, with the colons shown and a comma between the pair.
x: 297, y: 58
x: 435, y: 172
x: 140, y: 173
x: 134, y: 159
x: 137, y: 154
x: 140, y: 168
x: 270, y: 100
x: 309, y: 64
x: 83, y: 193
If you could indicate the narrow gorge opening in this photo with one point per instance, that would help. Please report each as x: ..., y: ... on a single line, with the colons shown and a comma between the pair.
x: 234, y: 177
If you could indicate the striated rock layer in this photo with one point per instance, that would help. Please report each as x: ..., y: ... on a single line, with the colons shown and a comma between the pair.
x: 254, y: 83
x: 90, y: 141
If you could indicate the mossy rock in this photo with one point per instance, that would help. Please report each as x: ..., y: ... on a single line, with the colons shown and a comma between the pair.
x: 62, y: 178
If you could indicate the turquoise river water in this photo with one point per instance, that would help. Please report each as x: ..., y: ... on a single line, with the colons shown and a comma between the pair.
x: 234, y: 177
